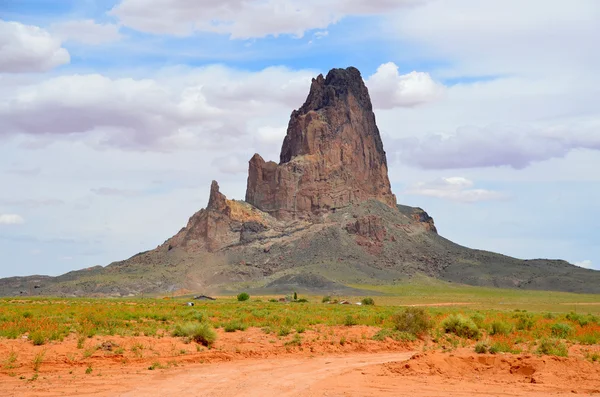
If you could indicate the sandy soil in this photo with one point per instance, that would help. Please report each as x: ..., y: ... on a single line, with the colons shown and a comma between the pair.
x: 252, y: 363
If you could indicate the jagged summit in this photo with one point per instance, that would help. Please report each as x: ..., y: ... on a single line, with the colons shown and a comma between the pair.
x: 332, y: 155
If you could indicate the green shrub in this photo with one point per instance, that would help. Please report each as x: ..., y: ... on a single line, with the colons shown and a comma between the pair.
x: 561, y: 330
x: 552, y: 347
x: 368, y: 301
x: 349, y: 321
x: 461, y: 326
x: 500, y: 328
x: 413, y: 320
x: 284, y: 331
x: 326, y: 299
x: 273, y: 300
x: 243, y: 297
x: 525, y: 322
x: 295, y: 296
x: 500, y: 347
x: 37, y: 337
x: 588, y: 339
x: 201, y: 333
x: 301, y: 300
x: 478, y: 319
x: 233, y: 326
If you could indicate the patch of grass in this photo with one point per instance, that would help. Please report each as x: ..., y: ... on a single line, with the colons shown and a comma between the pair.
x: 552, y: 347
x: 400, y: 336
x: 295, y: 341
x: 461, y: 326
x: 500, y: 328
x: 11, y: 360
x: 235, y: 326
x: 478, y: 319
x: 89, y: 370
x: 350, y: 321
x: 284, y: 331
x: 561, y: 330
x: 413, y: 320
x: 38, y: 359
x: 482, y: 347
x: 326, y: 299
x: 201, y: 333
x: 500, y: 347
x: 37, y: 338
x: 243, y: 297
x: 525, y: 321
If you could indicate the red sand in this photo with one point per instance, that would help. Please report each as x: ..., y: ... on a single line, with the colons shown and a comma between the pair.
x: 252, y: 363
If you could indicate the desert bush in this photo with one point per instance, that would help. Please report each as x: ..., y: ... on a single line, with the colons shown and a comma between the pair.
x: 500, y: 328
x: 588, y: 338
x: 349, y: 321
x: 478, y: 319
x: 500, y: 347
x: 481, y: 347
x: 243, y: 297
x: 284, y: 331
x: 37, y: 337
x: 201, y: 333
x: 326, y: 299
x: 233, y: 326
x: 552, y: 347
x: 273, y: 300
x: 525, y: 322
x: 368, y: 301
x: 461, y: 326
x: 561, y: 330
x: 413, y: 320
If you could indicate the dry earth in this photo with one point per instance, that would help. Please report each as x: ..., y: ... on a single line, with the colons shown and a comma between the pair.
x: 252, y: 363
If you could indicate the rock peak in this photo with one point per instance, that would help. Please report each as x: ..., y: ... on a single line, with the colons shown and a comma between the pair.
x: 332, y: 155
x: 217, y: 200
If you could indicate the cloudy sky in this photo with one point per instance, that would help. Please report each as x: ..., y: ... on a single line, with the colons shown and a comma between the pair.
x: 115, y: 115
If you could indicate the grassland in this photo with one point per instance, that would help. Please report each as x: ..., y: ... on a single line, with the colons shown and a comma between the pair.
x: 501, y: 320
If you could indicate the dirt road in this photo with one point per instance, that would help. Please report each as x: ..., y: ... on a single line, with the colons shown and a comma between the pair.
x: 350, y: 374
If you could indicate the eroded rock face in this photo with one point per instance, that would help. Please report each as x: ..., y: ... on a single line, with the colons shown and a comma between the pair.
x: 222, y: 223
x: 331, y: 157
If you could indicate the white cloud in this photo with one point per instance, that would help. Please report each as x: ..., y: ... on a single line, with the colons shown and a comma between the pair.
x: 110, y: 191
x: 456, y: 189
x: 504, y: 36
x: 244, y: 18
x: 585, y: 263
x: 389, y: 89
x: 86, y: 31
x: 497, y: 145
x: 176, y: 109
x: 11, y: 219
x: 26, y: 48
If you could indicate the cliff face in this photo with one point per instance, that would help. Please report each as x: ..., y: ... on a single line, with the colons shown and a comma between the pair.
x: 332, y: 155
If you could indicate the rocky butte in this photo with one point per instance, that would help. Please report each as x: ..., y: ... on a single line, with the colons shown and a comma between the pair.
x: 321, y: 219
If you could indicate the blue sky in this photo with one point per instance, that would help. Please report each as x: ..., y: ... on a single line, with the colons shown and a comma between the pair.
x: 116, y: 115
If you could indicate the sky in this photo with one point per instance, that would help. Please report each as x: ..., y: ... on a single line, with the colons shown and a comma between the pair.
x: 115, y: 115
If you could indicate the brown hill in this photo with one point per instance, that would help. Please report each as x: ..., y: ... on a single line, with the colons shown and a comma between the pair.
x: 323, y: 218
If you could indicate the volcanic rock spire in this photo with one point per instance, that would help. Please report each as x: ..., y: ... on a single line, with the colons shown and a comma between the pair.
x: 332, y: 155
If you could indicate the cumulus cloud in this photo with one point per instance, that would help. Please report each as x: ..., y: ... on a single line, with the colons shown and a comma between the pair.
x: 86, y: 31
x: 390, y: 89
x: 243, y: 19
x: 231, y: 164
x: 11, y: 219
x: 177, y: 109
x: 26, y: 48
x: 455, y: 189
x: 496, y: 145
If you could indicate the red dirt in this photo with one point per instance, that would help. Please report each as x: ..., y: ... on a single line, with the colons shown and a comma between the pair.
x: 252, y: 363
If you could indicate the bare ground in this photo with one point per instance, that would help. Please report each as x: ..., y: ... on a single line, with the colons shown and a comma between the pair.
x: 252, y: 363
